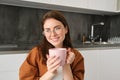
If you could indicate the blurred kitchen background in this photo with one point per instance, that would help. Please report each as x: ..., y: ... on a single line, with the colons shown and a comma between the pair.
x: 22, y: 26
x: 94, y: 27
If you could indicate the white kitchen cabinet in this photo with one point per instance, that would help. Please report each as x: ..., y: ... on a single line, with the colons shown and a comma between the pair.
x: 91, y: 59
x: 102, y: 64
x: 103, y: 5
x: 109, y: 64
x: 71, y: 3
x: 68, y: 3
x: 80, y: 6
x: 10, y: 64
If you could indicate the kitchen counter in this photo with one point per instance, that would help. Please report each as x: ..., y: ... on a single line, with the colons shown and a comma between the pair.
x: 97, y: 45
x: 17, y: 49
x: 14, y: 52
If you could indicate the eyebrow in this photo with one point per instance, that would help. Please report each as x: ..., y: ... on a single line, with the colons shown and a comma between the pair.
x: 47, y: 28
x: 54, y: 26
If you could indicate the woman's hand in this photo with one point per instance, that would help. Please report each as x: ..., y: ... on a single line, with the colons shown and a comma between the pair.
x: 53, y: 63
x: 70, y: 56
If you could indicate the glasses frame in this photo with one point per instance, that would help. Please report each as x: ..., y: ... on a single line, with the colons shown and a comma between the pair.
x: 56, y: 30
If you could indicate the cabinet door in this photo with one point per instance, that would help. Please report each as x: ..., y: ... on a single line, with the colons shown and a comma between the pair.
x: 10, y: 64
x: 102, y: 64
x: 109, y: 64
x: 104, y: 5
x: 91, y: 60
x: 71, y: 3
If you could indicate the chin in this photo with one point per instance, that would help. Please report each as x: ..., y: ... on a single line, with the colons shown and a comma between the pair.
x: 56, y: 45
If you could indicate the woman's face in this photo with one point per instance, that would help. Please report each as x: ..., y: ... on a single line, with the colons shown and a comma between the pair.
x: 54, y: 31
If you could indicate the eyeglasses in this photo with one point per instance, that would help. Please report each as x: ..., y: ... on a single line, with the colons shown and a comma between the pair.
x: 56, y: 30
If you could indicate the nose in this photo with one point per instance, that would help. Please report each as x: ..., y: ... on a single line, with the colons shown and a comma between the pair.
x: 53, y: 33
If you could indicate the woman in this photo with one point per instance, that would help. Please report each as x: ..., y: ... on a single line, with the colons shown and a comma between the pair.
x: 40, y: 66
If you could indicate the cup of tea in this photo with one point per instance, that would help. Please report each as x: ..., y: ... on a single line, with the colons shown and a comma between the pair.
x: 59, y: 52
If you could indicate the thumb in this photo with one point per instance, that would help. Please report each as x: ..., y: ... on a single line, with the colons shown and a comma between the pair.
x: 69, y: 50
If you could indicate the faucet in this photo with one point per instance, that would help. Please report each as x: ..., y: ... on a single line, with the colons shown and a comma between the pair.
x: 92, y: 37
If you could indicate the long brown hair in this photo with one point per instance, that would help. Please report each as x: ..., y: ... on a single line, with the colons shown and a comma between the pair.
x: 45, y: 45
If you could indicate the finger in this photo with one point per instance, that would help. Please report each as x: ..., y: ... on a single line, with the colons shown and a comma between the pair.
x: 49, y: 60
x: 56, y: 62
x: 47, y: 56
x: 52, y: 60
x: 69, y: 61
x: 70, y: 58
x: 69, y: 50
x: 54, y: 66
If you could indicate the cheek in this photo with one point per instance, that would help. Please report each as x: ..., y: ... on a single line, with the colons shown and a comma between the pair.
x: 63, y: 35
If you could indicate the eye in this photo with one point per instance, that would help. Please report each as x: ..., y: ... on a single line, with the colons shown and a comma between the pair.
x: 47, y: 30
x: 57, y: 28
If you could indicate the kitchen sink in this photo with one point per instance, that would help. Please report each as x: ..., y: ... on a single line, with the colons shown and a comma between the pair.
x: 102, y: 43
x: 97, y: 43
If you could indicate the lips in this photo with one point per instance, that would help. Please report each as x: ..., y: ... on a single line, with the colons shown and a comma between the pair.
x: 55, y: 39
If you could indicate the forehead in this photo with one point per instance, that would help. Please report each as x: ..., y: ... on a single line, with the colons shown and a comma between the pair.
x: 49, y: 23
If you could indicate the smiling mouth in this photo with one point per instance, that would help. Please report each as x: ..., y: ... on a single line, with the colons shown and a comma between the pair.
x: 55, y: 39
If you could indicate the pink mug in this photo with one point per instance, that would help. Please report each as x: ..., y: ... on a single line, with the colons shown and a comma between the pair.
x: 60, y: 52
